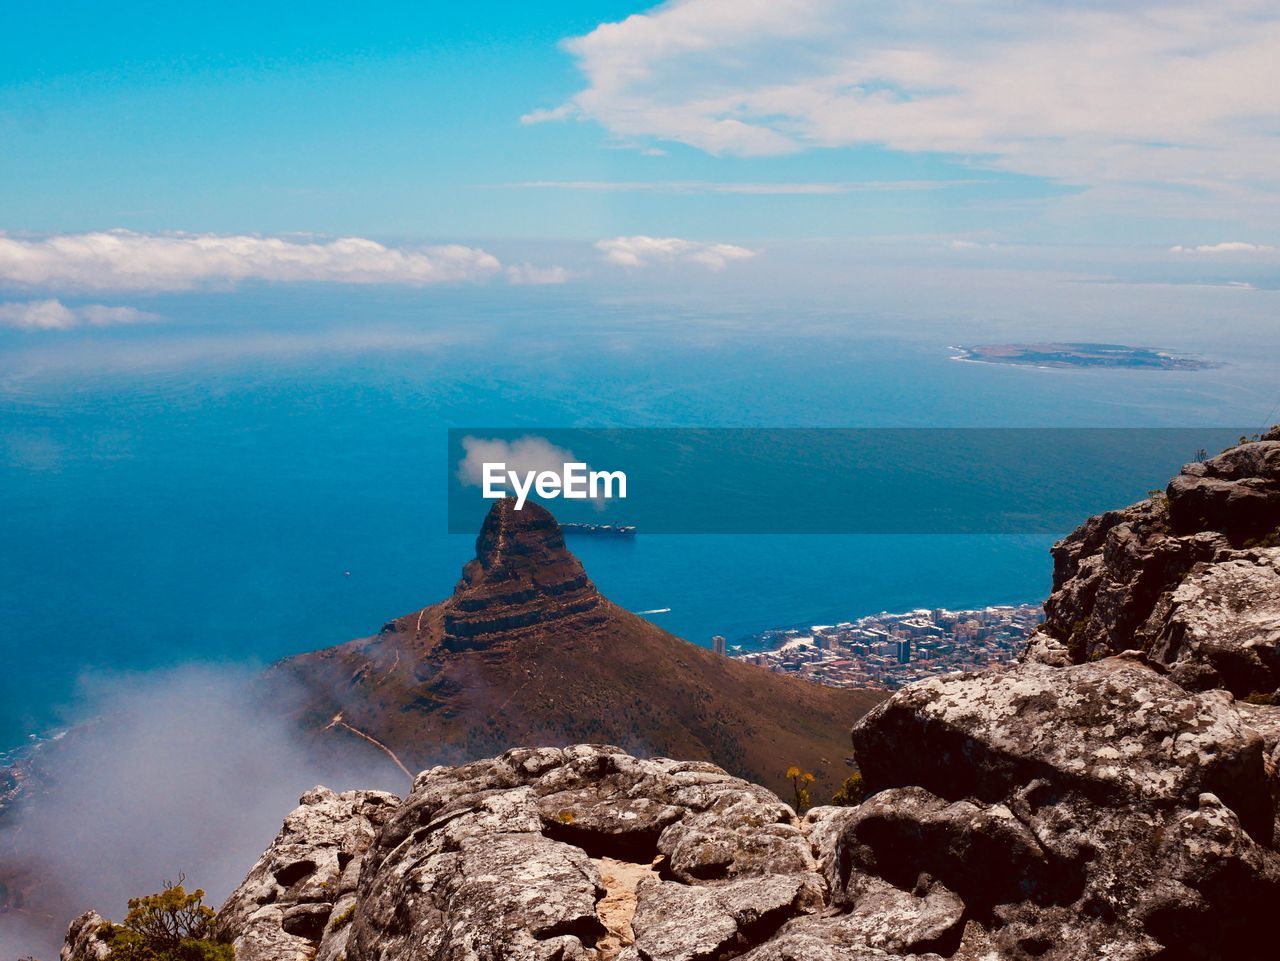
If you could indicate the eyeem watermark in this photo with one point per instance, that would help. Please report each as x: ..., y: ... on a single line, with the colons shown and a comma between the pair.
x: 574, y: 482
x: 982, y: 481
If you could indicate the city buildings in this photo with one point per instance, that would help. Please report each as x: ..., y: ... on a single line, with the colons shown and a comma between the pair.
x: 889, y: 650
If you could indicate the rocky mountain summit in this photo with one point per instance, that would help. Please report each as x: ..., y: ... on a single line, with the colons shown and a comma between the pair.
x: 1188, y: 576
x: 522, y: 577
x: 1111, y: 796
x: 528, y: 651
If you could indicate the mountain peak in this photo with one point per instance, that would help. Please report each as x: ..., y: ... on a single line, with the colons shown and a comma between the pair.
x: 511, y: 539
x: 522, y: 577
x: 527, y: 651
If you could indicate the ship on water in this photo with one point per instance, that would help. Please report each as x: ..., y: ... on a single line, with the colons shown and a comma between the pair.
x: 599, y: 530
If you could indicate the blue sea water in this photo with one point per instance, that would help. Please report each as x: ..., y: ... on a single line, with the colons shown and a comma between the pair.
x: 236, y: 491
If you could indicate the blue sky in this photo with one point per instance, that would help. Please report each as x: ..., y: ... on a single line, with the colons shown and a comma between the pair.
x: 638, y: 134
x: 402, y: 119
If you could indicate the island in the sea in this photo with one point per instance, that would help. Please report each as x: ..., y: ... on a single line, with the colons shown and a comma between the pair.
x: 1077, y: 355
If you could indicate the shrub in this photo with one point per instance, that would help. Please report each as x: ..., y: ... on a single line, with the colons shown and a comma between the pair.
x: 172, y: 925
x: 1267, y: 540
x: 851, y: 793
x: 800, y: 781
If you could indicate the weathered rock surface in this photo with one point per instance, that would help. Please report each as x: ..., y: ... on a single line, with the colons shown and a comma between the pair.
x: 584, y: 852
x: 1100, y: 799
x: 502, y: 859
x: 1115, y: 731
x: 305, y: 882
x: 1204, y: 540
x: 1220, y: 627
x: 87, y: 939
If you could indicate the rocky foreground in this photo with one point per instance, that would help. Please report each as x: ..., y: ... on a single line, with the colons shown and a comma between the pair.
x: 1115, y: 795
x: 1097, y: 811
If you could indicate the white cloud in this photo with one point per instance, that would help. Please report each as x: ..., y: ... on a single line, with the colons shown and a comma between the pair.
x: 124, y: 260
x: 562, y: 112
x: 533, y: 275
x: 1174, y: 92
x: 523, y: 455
x: 37, y: 315
x: 640, y: 251
x: 1227, y: 247
x: 54, y: 315
x: 765, y: 189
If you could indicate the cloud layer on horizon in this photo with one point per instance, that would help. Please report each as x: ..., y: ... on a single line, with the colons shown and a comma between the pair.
x: 1226, y: 247
x: 125, y: 260
x: 642, y: 251
x: 55, y: 315
x: 1174, y: 94
x: 532, y: 275
x: 764, y: 189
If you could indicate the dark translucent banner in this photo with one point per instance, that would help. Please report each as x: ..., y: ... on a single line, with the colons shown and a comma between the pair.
x: 818, y: 480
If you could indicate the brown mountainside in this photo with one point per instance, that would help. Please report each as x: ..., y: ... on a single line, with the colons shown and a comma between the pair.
x: 527, y: 651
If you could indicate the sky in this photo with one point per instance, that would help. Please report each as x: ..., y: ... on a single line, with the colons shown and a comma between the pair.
x: 150, y: 150
x: 1022, y: 121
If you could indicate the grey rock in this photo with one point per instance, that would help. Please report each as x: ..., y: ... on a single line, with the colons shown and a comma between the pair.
x: 1220, y: 627
x: 829, y: 938
x: 1206, y: 535
x: 684, y: 922
x: 1115, y: 731
x: 1236, y: 493
x: 1103, y: 800
x: 87, y: 939
x: 1072, y: 813
x: 1110, y: 572
x: 282, y: 910
x: 927, y: 917
x: 823, y: 826
x: 503, y: 859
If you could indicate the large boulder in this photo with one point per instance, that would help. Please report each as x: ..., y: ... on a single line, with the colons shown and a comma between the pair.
x: 1101, y: 799
x: 302, y: 890
x: 1236, y: 493
x: 88, y: 938
x: 1207, y: 535
x: 1114, y: 731
x: 1220, y: 627
x: 513, y: 858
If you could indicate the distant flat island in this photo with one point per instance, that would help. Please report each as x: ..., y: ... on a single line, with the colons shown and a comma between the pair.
x: 1077, y: 355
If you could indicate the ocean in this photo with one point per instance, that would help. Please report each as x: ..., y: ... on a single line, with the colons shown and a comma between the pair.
x: 269, y: 476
